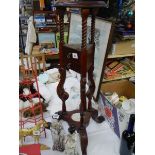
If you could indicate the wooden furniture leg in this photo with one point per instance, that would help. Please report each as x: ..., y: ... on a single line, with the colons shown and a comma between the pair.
x: 60, y: 90
x: 83, y: 140
x: 91, y: 82
x: 91, y: 89
x: 82, y: 131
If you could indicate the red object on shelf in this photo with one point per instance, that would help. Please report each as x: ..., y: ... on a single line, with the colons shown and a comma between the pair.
x: 32, y: 149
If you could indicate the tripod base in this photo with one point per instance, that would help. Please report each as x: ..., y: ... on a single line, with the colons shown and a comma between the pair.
x: 68, y: 117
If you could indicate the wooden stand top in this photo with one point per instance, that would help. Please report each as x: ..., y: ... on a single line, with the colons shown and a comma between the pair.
x: 82, y: 4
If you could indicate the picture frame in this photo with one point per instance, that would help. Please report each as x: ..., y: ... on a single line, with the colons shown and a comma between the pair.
x: 103, y: 41
x: 44, y: 37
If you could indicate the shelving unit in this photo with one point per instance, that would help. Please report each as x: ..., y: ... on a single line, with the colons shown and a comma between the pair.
x: 124, y: 51
x: 120, y: 55
x: 53, y: 26
x: 53, y: 29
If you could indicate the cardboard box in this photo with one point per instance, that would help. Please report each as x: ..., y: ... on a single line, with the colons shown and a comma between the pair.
x: 117, y: 118
x: 123, y: 47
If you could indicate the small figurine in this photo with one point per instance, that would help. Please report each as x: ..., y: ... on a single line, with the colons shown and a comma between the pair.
x: 57, y: 132
x: 71, y: 142
x: 35, y: 132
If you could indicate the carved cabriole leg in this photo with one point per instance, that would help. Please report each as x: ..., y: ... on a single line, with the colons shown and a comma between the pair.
x: 60, y: 90
x: 91, y: 82
x: 91, y: 89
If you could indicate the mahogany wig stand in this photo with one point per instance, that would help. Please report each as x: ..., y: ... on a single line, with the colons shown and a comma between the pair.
x: 80, y: 58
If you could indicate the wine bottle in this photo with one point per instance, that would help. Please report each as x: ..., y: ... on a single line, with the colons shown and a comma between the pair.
x: 128, y: 138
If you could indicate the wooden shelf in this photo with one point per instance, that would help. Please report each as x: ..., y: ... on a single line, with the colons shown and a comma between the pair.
x: 46, y: 26
x: 42, y: 11
x: 120, y: 55
x: 119, y: 78
x: 50, y: 55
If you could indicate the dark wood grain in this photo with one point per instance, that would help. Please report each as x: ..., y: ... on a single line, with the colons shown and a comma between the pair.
x: 83, y: 63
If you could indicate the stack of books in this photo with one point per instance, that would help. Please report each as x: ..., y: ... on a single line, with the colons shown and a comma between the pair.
x: 119, y: 69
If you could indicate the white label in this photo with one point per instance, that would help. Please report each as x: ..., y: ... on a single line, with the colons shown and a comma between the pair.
x: 36, y: 133
x: 23, y: 154
x: 74, y: 55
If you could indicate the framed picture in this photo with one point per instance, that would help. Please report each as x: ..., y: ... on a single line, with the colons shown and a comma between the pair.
x: 47, y: 38
x: 103, y: 33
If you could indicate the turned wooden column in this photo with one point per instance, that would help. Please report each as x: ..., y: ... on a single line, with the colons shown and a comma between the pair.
x: 83, y: 62
x: 91, y: 82
x: 61, y: 12
x: 62, y: 69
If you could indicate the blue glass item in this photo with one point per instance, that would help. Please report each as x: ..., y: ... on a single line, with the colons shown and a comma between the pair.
x: 130, y: 13
x: 131, y: 124
x: 119, y: 3
x: 128, y: 138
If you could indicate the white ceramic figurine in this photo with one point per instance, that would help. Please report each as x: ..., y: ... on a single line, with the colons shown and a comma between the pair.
x: 57, y: 132
x: 71, y: 144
